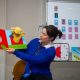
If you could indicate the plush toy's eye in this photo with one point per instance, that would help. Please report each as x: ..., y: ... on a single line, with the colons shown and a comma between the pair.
x: 17, y: 34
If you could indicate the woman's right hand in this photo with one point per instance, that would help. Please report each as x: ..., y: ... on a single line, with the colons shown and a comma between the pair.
x: 10, y: 50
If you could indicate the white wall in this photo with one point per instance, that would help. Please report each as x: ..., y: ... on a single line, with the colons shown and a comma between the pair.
x: 3, y: 26
x: 2, y: 14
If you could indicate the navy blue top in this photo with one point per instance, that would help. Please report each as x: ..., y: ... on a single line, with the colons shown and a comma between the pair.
x: 37, y: 56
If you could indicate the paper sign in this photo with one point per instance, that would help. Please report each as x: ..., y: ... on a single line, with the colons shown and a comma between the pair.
x: 62, y: 51
x: 75, y: 53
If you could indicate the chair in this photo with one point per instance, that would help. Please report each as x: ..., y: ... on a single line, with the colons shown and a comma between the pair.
x: 18, y: 69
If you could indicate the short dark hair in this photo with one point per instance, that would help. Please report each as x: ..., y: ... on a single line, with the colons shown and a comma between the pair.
x: 53, y: 31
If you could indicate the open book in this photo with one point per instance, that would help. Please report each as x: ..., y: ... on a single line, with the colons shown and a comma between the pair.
x: 7, y: 41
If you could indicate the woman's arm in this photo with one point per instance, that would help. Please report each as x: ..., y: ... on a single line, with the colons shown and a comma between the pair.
x: 36, y: 59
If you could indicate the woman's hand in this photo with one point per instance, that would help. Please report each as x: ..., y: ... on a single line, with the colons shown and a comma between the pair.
x: 10, y: 50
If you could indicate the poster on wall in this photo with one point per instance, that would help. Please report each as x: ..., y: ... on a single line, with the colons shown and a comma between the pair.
x: 75, y: 53
x: 62, y: 51
x: 66, y: 17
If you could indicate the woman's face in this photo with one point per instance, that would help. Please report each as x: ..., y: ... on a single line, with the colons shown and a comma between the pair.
x: 44, y: 36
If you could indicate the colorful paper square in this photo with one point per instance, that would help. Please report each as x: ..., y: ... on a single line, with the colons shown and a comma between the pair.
x: 63, y: 29
x: 55, y: 15
x: 63, y: 21
x: 75, y: 22
x: 69, y: 22
x: 70, y: 36
x: 70, y: 29
x: 55, y: 8
x: 76, y: 29
x: 64, y: 36
x: 55, y: 22
x: 76, y: 36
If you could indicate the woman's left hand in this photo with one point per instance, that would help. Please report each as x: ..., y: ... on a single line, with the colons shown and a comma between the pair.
x: 10, y: 50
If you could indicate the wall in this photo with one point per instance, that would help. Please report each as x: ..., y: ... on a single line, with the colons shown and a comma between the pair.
x: 3, y: 14
x: 3, y: 26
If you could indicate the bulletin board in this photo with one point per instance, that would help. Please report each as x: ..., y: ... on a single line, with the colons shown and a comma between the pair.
x: 66, y: 17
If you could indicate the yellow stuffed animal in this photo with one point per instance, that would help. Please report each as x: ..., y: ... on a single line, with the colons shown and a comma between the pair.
x: 17, y: 33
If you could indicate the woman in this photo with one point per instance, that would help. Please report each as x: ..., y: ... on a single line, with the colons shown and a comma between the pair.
x: 38, y: 55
